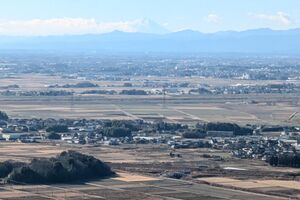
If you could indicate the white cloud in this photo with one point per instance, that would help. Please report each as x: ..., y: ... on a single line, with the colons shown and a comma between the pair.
x: 280, y: 18
x: 65, y: 26
x: 212, y: 18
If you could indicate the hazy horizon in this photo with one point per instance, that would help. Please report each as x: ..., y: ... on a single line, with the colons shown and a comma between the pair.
x: 43, y: 18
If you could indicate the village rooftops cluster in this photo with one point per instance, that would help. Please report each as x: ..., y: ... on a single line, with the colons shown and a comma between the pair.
x: 252, y: 142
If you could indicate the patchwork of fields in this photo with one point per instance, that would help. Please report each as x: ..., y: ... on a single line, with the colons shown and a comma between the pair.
x: 176, y: 109
x: 268, y: 108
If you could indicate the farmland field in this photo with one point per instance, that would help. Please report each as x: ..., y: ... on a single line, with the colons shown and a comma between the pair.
x: 270, y: 108
x: 142, y: 169
x: 132, y: 183
x: 177, y: 109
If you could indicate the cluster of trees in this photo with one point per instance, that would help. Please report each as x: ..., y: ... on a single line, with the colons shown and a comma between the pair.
x: 7, y: 166
x: 236, y: 129
x: 57, y: 129
x: 119, y: 128
x: 201, y: 129
x: 37, y: 93
x: 272, y: 129
x: 285, y: 160
x: 123, y: 124
x: 127, y: 85
x: 53, y: 136
x: 3, y: 116
x: 112, y: 92
x: 80, y: 85
x: 117, y: 132
x: 194, y: 134
x: 164, y: 126
x: 133, y: 92
x: 109, y: 92
x: 55, y: 93
x: 66, y: 167
x: 15, y: 86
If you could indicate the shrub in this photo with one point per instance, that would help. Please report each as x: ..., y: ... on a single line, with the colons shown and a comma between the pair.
x: 3, y: 116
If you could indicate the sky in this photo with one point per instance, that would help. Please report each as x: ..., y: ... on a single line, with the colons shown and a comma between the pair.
x: 63, y: 17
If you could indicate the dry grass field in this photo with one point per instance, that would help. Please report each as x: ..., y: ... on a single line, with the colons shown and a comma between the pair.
x: 276, y: 187
x: 112, y: 189
x: 128, y: 184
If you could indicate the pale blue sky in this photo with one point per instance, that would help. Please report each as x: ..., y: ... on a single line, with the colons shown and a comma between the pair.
x: 105, y: 15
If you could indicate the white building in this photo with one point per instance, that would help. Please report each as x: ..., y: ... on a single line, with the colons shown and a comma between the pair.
x: 13, y: 136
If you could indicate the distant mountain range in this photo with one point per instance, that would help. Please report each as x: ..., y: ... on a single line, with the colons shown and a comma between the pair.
x: 187, y: 41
